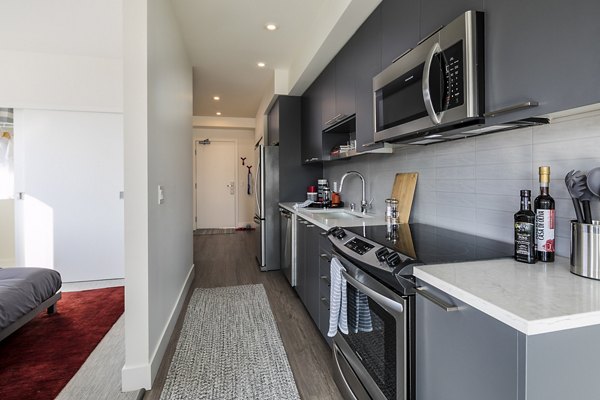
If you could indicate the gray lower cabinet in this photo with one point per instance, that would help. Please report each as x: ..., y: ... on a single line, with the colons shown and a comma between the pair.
x: 312, y: 272
x: 301, y: 258
x: 465, y: 354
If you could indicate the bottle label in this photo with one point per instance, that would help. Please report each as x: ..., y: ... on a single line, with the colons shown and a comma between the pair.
x: 544, y: 230
x: 524, y: 239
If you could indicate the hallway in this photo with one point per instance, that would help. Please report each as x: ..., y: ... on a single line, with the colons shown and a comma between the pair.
x: 227, y: 260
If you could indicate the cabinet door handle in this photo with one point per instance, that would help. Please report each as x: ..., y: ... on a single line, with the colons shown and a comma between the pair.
x: 514, y: 107
x: 440, y: 303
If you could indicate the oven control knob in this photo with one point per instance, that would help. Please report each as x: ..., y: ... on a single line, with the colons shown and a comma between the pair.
x: 392, y: 259
x: 340, y: 234
x: 381, y: 253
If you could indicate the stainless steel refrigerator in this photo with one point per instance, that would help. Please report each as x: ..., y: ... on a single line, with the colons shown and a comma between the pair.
x: 266, y: 215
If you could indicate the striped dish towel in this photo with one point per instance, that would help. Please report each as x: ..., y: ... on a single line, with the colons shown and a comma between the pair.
x: 338, y: 315
x: 359, y: 313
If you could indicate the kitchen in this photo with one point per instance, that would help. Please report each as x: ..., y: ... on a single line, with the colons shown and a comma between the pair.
x: 538, y: 62
x: 470, y: 185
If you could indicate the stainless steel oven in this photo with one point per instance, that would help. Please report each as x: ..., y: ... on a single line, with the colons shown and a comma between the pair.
x: 436, y: 87
x: 376, y: 358
x: 373, y: 360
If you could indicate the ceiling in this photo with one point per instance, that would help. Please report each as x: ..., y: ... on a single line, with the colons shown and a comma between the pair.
x: 227, y: 38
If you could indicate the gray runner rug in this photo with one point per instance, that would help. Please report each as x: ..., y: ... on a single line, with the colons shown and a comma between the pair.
x: 229, y: 348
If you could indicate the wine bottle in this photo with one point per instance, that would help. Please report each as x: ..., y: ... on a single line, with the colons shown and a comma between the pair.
x: 525, y: 230
x: 544, y: 219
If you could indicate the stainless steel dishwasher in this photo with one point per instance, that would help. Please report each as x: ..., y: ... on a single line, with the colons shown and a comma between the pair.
x: 286, y: 222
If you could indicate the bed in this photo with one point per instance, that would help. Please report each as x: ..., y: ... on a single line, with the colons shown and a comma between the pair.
x: 24, y: 293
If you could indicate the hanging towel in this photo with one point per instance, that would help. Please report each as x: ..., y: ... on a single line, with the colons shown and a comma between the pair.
x: 359, y: 313
x: 338, y: 306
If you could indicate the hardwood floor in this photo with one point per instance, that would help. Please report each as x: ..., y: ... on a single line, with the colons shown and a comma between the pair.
x: 228, y: 260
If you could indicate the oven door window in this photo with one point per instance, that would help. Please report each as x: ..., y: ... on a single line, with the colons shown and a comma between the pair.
x: 372, y: 337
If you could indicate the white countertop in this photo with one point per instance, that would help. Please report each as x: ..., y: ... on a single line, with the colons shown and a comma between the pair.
x: 326, y: 218
x: 532, y: 298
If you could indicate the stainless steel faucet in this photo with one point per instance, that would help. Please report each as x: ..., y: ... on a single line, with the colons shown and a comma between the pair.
x: 363, y: 202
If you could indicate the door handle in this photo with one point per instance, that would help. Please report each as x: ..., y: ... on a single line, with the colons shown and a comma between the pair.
x: 438, y: 302
x: 435, y: 117
x: 378, y: 297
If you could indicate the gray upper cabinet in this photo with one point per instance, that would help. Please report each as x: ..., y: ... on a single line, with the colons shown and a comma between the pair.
x: 436, y: 13
x: 345, y: 75
x: 311, y: 143
x: 284, y: 128
x: 327, y: 88
x: 367, y: 64
x: 399, y: 28
x: 545, y: 51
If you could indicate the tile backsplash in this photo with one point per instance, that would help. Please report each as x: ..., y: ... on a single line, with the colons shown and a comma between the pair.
x: 472, y: 185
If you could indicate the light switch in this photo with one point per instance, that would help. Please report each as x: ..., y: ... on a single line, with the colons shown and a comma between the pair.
x: 161, y: 194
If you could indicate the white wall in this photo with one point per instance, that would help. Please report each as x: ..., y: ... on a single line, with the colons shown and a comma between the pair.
x: 70, y: 168
x: 7, y: 232
x: 472, y: 185
x: 158, y: 133
x: 245, y: 148
x: 60, y: 82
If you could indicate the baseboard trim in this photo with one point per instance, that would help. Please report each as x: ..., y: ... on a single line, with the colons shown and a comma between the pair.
x: 134, y: 377
x: 165, y: 336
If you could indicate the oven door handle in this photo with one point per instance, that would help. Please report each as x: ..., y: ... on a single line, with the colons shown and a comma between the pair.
x: 435, y: 117
x: 378, y: 297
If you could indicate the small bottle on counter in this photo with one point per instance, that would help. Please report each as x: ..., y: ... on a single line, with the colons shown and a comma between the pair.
x: 525, y: 230
x: 544, y: 219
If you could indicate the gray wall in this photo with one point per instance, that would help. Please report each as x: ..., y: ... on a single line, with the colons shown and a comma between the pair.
x: 472, y: 185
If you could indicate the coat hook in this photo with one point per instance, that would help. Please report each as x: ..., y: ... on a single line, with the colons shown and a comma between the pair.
x: 243, y: 160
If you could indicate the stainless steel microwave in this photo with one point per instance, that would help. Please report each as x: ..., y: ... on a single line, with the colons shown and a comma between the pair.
x: 436, y: 87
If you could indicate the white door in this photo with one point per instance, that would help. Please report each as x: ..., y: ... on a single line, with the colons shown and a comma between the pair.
x: 216, y: 184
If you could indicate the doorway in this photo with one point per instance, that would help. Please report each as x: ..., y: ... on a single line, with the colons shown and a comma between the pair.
x: 216, y: 183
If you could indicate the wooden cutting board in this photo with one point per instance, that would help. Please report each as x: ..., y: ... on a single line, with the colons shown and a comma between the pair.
x: 404, y: 191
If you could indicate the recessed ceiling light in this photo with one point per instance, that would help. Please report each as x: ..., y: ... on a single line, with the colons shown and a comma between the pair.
x: 261, y: 64
x: 216, y: 98
x: 218, y: 112
x: 271, y: 27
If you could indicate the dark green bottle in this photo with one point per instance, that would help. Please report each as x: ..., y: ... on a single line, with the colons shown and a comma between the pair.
x: 525, y: 230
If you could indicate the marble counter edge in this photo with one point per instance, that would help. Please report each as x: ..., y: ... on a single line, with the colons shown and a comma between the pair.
x: 528, y: 327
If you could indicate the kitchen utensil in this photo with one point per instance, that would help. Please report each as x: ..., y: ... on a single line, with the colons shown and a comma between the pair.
x: 576, y: 187
x: 404, y: 191
x: 585, y: 198
x: 593, y: 181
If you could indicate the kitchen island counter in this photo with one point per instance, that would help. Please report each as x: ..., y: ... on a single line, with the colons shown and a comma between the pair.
x: 531, y: 298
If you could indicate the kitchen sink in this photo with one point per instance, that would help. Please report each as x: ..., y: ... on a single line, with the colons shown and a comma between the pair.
x: 338, y: 214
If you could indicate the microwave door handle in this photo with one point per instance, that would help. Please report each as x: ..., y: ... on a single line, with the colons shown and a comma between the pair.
x: 435, y: 117
x: 378, y: 297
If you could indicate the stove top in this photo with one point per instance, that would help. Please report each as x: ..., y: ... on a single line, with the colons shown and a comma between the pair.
x: 389, y: 252
x: 433, y: 245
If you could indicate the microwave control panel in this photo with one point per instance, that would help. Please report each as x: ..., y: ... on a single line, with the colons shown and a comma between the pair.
x: 453, y: 61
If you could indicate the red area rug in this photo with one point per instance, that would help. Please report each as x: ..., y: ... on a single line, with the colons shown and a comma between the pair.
x: 39, y: 359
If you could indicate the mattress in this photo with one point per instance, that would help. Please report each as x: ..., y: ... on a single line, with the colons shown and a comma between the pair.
x: 23, y: 289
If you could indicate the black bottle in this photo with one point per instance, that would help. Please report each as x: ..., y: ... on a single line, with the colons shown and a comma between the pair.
x: 525, y: 230
x: 545, y: 219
